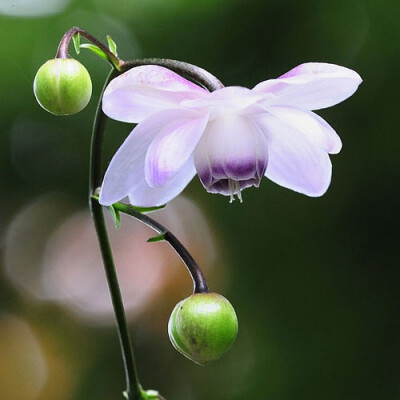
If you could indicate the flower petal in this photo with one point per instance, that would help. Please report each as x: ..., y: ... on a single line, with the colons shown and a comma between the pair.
x: 311, y: 86
x: 294, y: 161
x: 172, y: 147
x: 317, y: 130
x: 225, y: 101
x: 126, y: 169
x: 146, y: 90
x: 145, y: 196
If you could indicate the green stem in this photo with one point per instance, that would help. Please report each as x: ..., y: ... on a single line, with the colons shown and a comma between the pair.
x: 199, y: 281
x: 199, y: 76
x: 95, y: 177
x: 189, y: 71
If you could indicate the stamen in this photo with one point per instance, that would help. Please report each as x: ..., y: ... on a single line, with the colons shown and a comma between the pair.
x: 238, y: 191
x: 231, y: 190
x: 234, y: 189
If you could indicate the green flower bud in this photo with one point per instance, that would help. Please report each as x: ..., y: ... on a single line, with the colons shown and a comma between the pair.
x: 62, y: 86
x: 202, y: 327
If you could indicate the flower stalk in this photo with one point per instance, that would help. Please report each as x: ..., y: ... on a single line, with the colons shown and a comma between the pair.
x: 133, y: 389
x: 189, y: 71
x: 199, y: 281
x: 62, y: 51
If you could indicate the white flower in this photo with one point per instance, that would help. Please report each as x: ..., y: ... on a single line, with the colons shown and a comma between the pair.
x: 231, y: 137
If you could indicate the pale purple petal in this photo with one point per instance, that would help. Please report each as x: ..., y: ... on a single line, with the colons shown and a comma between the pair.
x: 227, y: 99
x: 172, y: 147
x: 145, y: 196
x: 316, y: 129
x: 126, y: 169
x: 311, y: 86
x: 146, y: 90
x: 294, y: 161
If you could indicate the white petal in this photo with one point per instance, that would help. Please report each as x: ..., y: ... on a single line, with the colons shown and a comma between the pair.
x: 311, y: 86
x: 145, y: 196
x: 172, y: 147
x: 294, y: 161
x: 317, y: 130
x: 145, y: 90
x: 226, y: 100
x: 126, y: 168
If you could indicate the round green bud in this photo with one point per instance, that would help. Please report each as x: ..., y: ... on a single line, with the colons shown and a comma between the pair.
x: 202, y: 327
x: 62, y: 86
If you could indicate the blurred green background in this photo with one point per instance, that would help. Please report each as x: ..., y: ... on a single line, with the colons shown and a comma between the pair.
x: 314, y: 281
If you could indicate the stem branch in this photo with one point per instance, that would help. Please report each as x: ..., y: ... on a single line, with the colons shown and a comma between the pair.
x: 199, y: 281
x: 62, y: 51
x: 189, y: 71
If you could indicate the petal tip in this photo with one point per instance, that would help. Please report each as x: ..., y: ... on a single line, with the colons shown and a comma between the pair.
x: 104, y: 200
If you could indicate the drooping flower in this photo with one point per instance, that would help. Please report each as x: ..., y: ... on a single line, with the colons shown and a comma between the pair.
x: 231, y: 137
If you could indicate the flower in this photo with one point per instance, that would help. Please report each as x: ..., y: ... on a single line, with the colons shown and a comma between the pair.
x: 231, y: 137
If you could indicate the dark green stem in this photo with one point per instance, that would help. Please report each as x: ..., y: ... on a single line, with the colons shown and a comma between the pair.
x: 189, y: 71
x: 199, y: 281
x: 209, y: 82
x: 95, y: 177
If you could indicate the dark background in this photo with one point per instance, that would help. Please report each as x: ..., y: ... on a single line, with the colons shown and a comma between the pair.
x: 314, y: 281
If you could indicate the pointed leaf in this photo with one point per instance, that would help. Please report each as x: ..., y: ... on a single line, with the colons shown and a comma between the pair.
x: 145, y: 210
x: 112, y: 45
x: 115, y: 216
x: 77, y: 42
x: 158, y: 238
x: 150, y: 395
x: 125, y: 394
x: 95, y: 49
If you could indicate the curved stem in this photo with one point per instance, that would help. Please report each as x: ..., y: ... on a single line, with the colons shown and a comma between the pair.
x: 132, y: 382
x: 189, y: 71
x: 62, y: 51
x: 199, y: 281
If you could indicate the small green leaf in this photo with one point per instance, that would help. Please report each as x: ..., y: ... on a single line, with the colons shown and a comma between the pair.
x: 96, y: 50
x: 112, y: 45
x: 115, y: 216
x: 125, y: 394
x: 145, y: 210
x: 77, y: 42
x: 158, y: 238
x: 150, y: 395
